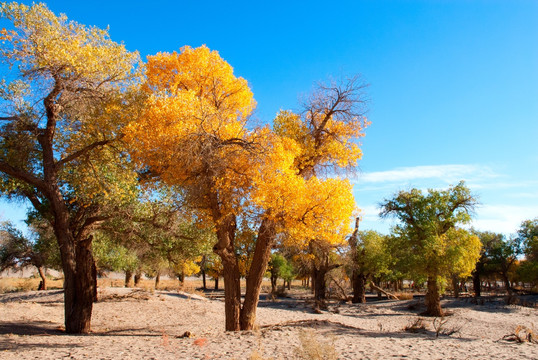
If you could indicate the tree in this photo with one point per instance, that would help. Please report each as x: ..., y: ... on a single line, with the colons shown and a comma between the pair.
x: 279, y: 267
x: 194, y: 134
x: 427, y: 234
x: 17, y: 250
x: 528, y: 237
x: 63, y: 108
x: 503, y: 254
x: 369, y: 257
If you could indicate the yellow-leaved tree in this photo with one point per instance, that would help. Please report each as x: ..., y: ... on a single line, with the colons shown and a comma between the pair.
x: 65, y: 100
x: 194, y: 133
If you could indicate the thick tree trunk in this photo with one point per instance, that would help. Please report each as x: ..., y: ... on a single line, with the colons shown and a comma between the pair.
x: 262, y: 254
x: 359, y: 288
x: 433, y: 301
x: 43, y: 278
x: 232, y: 295
x: 128, y: 275
x: 477, y: 284
x: 318, y: 280
x: 232, y: 287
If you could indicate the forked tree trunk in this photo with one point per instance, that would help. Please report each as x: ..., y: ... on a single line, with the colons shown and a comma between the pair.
x: 359, y: 288
x: 262, y: 254
x: 433, y: 302
x: 43, y: 278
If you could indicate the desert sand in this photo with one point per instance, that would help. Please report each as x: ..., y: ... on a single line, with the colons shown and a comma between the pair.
x: 140, y: 324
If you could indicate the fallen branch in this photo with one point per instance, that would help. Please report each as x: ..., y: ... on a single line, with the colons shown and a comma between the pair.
x: 377, y: 288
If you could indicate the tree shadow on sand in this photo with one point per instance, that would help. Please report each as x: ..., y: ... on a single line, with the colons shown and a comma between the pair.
x: 334, y: 328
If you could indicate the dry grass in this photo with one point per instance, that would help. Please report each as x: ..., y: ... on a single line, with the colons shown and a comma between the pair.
x: 404, y: 295
x: 8, y: 285
x: 312, y: 348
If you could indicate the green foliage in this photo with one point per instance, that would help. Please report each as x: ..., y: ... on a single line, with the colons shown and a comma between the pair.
x: 528, y: 236
x: 17, y: 250
x: 427, y: 241
x: 373, y: 257
x: 279, y: 267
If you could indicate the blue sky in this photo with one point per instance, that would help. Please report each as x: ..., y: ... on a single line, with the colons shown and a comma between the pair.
x: 453, y: 84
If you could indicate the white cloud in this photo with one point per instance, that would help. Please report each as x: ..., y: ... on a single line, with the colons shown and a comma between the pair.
x: 504, y: 219
x: 447, y: 173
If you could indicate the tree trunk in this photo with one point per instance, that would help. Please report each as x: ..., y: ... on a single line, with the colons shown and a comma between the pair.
x: 477, y: 284
x: 273, y: 283
x: 359, y: 288
x: 216, y: 282
x: 181, y: 278
x: 202, y: 268
x: 157, y: 280
x: 507, y: 283
x: 289, y: 284
x: 262, y: 254
x: 456, y: 286
x: 43, y: 278
x: 232, y: 287
x: 137, y: 277
x: 232, y: 294
x: 433, y: 302
x: 128, y: 275
x: 318, y: 280
x: 94, y: 277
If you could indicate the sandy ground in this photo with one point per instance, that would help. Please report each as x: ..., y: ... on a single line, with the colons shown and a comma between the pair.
x: 135, y: 324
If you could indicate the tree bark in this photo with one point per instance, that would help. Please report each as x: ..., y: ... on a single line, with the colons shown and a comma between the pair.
x: 137, y: 278
x: 359, y: 288
x: 202, y: 268
x: 262, y: 254
x: 43, y: 278
x: 157, y: 280
x: 318, y: 280
x: 232, y: 287
x: 216, y: 282
x: 128, y: 275
x: 433, y: 301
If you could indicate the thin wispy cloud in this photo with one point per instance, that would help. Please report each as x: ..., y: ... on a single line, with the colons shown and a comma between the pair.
x: 446, y: 173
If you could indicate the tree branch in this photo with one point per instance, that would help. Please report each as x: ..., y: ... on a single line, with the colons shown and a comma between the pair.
x: 83, y: 151
x: 23, y: 176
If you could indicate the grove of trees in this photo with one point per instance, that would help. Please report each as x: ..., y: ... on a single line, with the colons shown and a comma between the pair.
x: 158, y: 167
